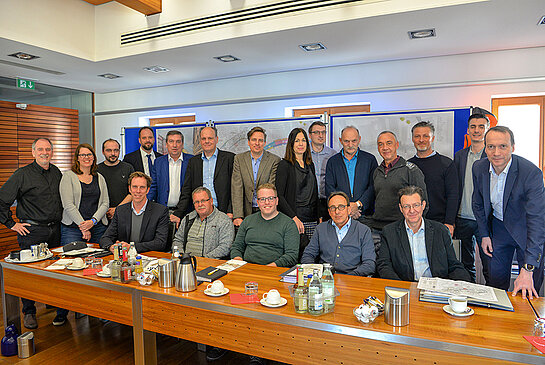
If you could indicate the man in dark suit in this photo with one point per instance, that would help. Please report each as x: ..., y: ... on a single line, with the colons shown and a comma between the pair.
x: 509, y: 206
x: 466, y: 225
x: 143, y: 158
x: 213, y: 170
x: 142, y: 221
x: 414, y: 247
x: 351, y: 171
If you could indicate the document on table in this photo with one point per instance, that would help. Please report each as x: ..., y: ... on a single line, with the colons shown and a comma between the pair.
x: 60, y: 264
x: 455, y: 287
x: 231, y: 265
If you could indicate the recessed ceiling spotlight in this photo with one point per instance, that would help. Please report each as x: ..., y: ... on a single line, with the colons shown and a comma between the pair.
x: 541, y: 21
x: 312, y: 47
x: 424, y: 33
x: 227, y: 58
x: 156, y: 69
x: 109, y: 76
x: 23, y: 56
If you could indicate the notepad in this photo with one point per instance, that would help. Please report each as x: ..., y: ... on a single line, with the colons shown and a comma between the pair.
x: 210, y: 274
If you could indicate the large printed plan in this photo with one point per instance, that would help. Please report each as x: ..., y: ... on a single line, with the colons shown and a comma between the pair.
x: 454, y: 287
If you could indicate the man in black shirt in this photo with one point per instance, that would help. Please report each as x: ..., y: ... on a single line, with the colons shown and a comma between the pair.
x: 116, y: 173
x: 39, y: 208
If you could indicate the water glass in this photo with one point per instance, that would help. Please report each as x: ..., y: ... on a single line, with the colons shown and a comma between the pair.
x: 250, y: 288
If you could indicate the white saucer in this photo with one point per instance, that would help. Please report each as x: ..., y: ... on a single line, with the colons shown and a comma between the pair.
x: 103, y: 275
x: 467, y: 313
x: 211, y: 294
x: 75, y: 268
x: 283, y: 301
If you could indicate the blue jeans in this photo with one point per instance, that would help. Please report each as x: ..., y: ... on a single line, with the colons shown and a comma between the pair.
x: 72, y: 233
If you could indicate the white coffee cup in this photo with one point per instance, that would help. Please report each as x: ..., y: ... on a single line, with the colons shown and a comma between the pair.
x: 272, y: 297
x: 216, y: 287
x: 25, y: 255
x: 458, y: 303
x: 78, y: 262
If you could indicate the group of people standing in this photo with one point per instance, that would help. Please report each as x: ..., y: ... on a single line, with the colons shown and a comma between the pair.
x: 394, y: 220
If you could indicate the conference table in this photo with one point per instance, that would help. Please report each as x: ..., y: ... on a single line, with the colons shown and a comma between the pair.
x: 432, y: 336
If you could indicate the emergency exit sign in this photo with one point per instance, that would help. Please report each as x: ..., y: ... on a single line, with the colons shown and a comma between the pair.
x: 25, y: 84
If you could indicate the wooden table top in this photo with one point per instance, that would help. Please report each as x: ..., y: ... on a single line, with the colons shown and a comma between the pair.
x: 488, y: 328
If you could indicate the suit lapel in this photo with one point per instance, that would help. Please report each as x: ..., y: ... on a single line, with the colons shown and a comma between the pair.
x: 145, y: 221
x: 486, y: 189
x: 128, y: 224
x: 262, y: 167
x: 406, y: 247
x: 510, y: 181
x: 429, y: 232
x: 219, y: 162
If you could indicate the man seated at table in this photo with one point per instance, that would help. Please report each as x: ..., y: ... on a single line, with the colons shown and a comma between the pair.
x: 142, y: 221
x: 342, y: 241
x: 414, y: 247
x: 206, y: 231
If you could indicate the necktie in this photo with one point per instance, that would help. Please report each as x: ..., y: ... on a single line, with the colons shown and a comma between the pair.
x: 150, y: 164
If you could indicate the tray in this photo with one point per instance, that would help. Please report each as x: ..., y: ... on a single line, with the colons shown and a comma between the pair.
x: 49, y: 255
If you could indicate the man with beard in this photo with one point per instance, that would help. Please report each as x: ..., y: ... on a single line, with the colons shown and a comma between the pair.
x: 143, y: 158
x: 116, y: 173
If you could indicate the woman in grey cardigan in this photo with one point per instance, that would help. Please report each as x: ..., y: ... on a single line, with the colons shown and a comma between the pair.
x: 84, y: 197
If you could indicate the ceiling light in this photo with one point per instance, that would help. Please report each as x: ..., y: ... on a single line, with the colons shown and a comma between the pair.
x: 312, y: 47
x: 23, y: 56
x: 424, y: 33
x: 109, y: 76
x: 541, y: 21
x: 227, y: 58
x: 156, y: 69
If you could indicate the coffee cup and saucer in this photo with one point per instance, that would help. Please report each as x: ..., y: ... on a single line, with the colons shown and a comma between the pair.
x: 77, y: 264
x: 105, y: 273
x: 457, y: 306
x: 272, y: 299
x: 216, y: 289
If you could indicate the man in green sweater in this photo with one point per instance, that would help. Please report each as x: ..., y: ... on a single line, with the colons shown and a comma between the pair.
x: 267, y: 237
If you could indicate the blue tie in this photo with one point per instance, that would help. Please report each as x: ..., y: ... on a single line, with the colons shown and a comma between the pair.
x: 150, y: 164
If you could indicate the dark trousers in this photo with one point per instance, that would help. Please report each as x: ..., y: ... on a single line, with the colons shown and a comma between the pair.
x: 38, y: 234
x: 505, y: 247
x: 467, y: 232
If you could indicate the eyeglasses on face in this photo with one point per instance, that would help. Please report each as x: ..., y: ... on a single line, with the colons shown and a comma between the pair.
x: 201, y: 201
x: 409, y: 206
x: 340, y: 208
x: 266, y: 199
x: 85, y: 155
x: 318, y: 132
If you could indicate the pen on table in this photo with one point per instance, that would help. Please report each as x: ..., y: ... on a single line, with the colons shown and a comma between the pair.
x: 213, y: 271
x: 531, y: 305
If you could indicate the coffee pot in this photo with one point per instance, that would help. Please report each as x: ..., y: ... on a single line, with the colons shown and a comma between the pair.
x: 186, y: 278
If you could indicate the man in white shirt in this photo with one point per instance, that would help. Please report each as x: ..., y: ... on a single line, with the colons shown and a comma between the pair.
x: 143, y: 158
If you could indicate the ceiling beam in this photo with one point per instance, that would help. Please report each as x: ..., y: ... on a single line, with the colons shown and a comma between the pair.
x: 146, y: 7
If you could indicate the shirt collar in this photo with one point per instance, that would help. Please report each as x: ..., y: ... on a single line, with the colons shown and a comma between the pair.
x: 355, y: 156
x: 181, y: 158
x: 431, y: 154
x: 410, y: 230
x: 505, y: 170
x: 145, y: 153
x: 391, y: 164
x: 141, y: 210
x: 347, y: 224
x: 40, y: 168
x: 259, y: 158
x: 203, y: 156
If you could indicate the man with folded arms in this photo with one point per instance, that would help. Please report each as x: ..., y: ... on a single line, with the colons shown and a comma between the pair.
x: 142, y: 221
x: 342, y: 241
x: 414, y: 247
x: 39, y: 208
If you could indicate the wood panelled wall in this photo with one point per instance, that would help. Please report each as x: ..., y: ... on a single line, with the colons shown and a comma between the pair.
x: 18, y: 129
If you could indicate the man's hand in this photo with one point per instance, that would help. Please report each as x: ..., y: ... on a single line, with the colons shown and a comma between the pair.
x: 110, y: 213
x: 486, y: 244
x: 123, y: 244
x: 237, y: 221
x: 300, y: 226
x: 237, y: 258
x: 86, y: 235
x: 230, y: 215
x: 450, y: 228
x: 86, y: 225
x: 175, y: 219
x: 354, y: 211
x: 272, y: 264
x: 525, y: 284
x: 21, y: 228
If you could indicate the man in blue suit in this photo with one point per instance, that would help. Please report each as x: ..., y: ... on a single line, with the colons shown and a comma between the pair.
x: 168, y: 173
x: 351, y: 171
x: 509, y: 206
x: 466, y: 229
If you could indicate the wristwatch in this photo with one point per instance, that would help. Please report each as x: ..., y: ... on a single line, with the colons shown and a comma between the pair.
x: 528, y: 267
x: 359, y: 204
x: 94, y: 221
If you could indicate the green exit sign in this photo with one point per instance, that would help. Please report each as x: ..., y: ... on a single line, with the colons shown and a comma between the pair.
x: 25, y: 84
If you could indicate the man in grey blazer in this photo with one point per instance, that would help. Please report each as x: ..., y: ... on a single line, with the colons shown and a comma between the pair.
x: 251, y: 169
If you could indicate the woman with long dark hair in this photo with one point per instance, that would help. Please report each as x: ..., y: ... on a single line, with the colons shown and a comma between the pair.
x: 296, y: 183
x: 84, y: 197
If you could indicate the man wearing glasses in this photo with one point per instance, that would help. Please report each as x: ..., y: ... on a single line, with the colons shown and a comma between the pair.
x: 342, y: 241
x: 320, y: 155
x: 267, y: 237
x: 414, y: 247
x: 206, y: 231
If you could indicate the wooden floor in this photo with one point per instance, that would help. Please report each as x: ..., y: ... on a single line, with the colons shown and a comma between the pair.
x: 88, y: 340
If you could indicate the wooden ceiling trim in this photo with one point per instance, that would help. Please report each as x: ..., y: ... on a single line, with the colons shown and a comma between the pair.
x: 146, y: 7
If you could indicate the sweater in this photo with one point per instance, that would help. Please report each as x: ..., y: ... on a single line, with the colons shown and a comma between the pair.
x: 218, y: 234
x: 441, y: 180
x: 387, y: 186
x: 261, y: 241
x: 354, y: 255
